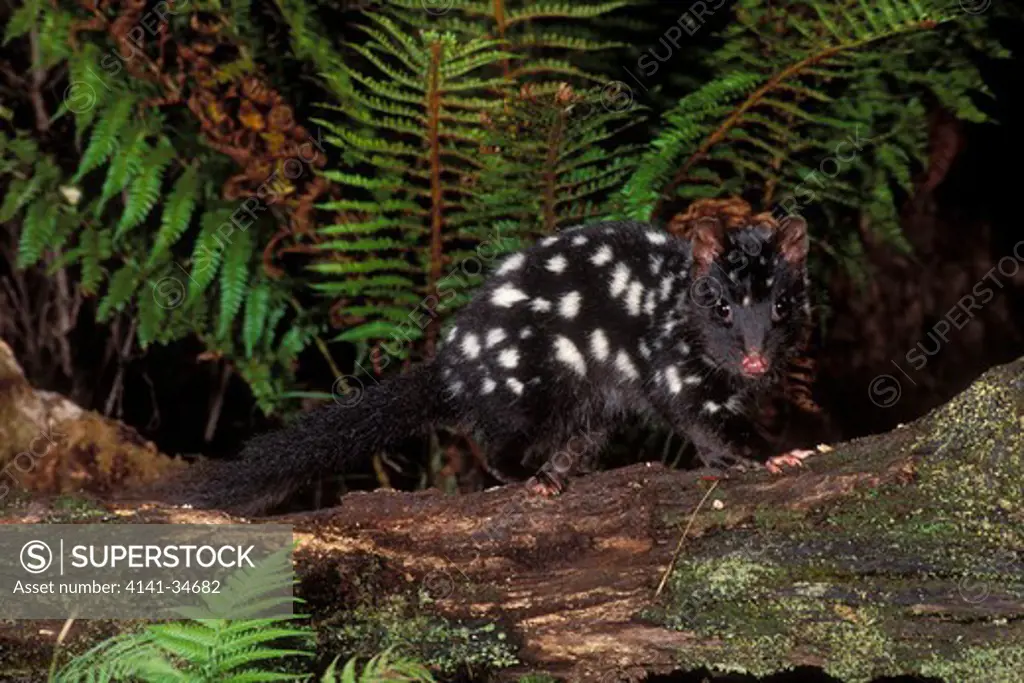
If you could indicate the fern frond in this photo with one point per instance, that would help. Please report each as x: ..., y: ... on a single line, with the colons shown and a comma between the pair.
x: 144, y: 190
x: 127, y: 164
x: 257, y: 305
x: 234, y: 275
x: 119, y: 291
x: 753, y: 121
x: 206, y: 256
x: 178, y: 209
x: 105, y: 139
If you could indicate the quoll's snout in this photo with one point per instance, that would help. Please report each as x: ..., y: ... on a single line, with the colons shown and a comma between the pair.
x: 754, y: 364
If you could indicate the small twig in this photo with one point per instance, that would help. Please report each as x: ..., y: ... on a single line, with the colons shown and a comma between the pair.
x: 57, y: 646
x: 66, y: 321
x: 118, y: 387
x: 218, y: 404
x: 682, y: 538
x: 38, y: 82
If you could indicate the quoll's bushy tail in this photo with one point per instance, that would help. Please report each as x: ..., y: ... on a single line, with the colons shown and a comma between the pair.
x: 322, y: 441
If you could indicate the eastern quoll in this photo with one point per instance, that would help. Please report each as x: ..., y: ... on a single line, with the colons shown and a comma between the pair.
x: 562, y: 342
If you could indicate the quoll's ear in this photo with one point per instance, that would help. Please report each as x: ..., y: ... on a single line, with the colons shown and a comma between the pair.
x: 792, y: 239
x: 706, y: 239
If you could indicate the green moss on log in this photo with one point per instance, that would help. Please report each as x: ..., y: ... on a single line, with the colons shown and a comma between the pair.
x: 401, y: 622
x: 918, y: 576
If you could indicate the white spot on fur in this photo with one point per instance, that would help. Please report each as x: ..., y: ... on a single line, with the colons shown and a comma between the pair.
x: 515, y: 385
x: 569, y: 306
x: 684, y: 348
x: 488, y: 386
x: 567, y: 352
x: 548, y: 241
x: 636, y: 290
x: 509, y: 358
x: 579, y: 241
x: 711, y: 407
x: 513, y: 262
x: 657, y: 237
x: 495, y: 337
x: 650, y: 302
x: 540, y: 305
x: 526, y: 333
x: 603, y: 256
x: 692, y: 380
x: 620, y: 278
x: 734, y: 404
x: 746, y: 300
x: 645, y: 350
x: 666, y: 287
x: 557, y: 264
x: 674, y: 384
x: 451, y: 333
x: 507, y: 296
x: 599, y: 344
x: 625, y: 365
x: 471, y: 346
x: 455, y: 388
x: 770, y: 281
x: 656, y: 263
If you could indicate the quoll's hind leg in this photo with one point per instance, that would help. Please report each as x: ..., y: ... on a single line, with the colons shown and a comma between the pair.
x: 506, y: 458
x: 574, y: 455
x: 506, y: 438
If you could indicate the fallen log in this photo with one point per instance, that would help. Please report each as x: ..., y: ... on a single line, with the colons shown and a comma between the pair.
x: 895, y: 554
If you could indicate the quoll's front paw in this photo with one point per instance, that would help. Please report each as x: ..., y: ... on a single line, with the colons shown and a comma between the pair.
x: 545, y: 485
x: 793, y: 458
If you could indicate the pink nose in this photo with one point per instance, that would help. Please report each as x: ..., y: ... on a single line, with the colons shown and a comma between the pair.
x: 754, y: 364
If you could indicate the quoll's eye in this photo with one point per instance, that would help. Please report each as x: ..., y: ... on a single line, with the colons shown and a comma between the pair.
x: 724, y: 311
x: 779, y: 309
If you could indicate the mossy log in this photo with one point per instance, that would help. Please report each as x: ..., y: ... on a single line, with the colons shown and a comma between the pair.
x: 894, y: 554
x: 48, y: 444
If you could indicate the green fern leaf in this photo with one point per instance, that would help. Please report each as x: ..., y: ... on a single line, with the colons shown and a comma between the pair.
x: 22, y: 191
x: 257, y: 305
x: 144, y: 191
x: 119, y: 292
x: 377, y: 329
x: 105, y: 138
x: 177, y: 214
x: 234, y: 275
x: 125, y: 166
x: 206, y: 255
x: 96, y: 247
x: 153, y: 305
x: 22, y: 20
x: 38, y: 233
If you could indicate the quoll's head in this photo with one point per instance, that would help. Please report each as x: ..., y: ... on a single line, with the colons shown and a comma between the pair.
x: 750, y: 295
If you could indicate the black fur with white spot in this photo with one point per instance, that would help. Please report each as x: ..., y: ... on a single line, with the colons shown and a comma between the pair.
x: 624, y: 326
x: 563, y: 342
